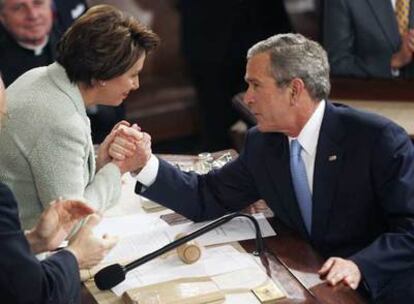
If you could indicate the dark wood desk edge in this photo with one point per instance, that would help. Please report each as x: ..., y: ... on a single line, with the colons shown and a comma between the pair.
x: 372, y: 89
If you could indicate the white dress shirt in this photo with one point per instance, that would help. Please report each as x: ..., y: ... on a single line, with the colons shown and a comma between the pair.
x: 308, y: 139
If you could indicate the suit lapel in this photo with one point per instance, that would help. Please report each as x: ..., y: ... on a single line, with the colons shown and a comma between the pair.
x: 278, y: 168
x: 328, y: 162
x: 386, y: 20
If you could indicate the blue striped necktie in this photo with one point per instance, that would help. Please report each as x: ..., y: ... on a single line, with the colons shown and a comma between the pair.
x: 300, y: 184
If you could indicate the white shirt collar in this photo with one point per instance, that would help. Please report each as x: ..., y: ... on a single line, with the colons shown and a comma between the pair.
x: 37, y: 49
x: 393, y: 3
x: 308, y: 137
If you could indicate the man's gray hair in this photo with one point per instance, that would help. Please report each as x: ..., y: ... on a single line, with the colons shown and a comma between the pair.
x: 294, y: 56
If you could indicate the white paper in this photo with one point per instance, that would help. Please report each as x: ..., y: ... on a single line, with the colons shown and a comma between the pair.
x: 125, y: 226
x: 238, y: 229
x: 135, y: 246
x: 214, y: 261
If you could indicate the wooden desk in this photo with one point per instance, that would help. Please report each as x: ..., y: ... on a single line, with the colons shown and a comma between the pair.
x: 291, y: 260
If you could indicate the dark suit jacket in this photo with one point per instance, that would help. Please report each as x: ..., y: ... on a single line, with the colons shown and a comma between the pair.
x: 222, y: 31
x: 361, y: 36
x: 23, y: 279
x: 363, y: 192
x: 67, y: 11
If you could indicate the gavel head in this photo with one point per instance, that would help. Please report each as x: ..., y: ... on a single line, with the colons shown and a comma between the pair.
x: 189, y: 252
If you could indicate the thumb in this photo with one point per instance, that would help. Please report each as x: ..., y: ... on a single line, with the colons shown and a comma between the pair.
x: 92, y: 220
x: 136, y: 127
x: 326, y: 266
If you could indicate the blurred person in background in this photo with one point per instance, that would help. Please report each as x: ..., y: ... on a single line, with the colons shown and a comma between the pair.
x: 369, y: 38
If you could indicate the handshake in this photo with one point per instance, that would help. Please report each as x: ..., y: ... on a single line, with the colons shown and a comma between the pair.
x: 127, y: 147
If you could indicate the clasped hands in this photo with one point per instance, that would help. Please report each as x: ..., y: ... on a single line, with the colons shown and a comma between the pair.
x: 127, y: 147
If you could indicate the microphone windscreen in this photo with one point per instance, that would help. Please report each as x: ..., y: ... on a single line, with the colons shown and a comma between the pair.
x: 109, y: 276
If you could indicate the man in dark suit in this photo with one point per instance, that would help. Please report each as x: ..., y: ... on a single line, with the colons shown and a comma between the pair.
x: 25, y: 279
x: 363, y: 39
x: 342, y: 178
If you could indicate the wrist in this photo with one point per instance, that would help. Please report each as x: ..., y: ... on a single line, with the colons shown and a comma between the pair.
x: 36, y: 245
x: 75, y: 254
x: 398, y: 60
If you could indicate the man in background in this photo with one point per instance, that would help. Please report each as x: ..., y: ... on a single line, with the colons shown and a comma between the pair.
x: 368, y: 38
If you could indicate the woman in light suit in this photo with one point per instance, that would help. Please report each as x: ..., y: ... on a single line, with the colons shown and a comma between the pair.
x: 46, y: 148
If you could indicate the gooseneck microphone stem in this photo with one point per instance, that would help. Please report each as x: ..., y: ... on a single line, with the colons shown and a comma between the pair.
x: 114, y: 274
x: 197, y: 233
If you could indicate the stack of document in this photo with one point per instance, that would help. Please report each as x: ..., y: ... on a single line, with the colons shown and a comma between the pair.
x: 233, y: 271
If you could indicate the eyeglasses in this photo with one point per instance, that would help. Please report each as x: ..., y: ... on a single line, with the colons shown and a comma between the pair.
x: 4, y: 117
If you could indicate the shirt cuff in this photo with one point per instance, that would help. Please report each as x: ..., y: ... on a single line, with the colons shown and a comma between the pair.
x: 149, y: 172
x: 395, y: 73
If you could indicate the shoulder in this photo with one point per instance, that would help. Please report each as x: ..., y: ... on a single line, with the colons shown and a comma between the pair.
x: 356, y: 118
x: 361, y: 126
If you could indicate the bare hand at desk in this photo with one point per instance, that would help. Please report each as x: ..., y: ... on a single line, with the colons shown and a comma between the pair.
x: 55, y: 223
x: 337, y: 270
x: 88, y: 249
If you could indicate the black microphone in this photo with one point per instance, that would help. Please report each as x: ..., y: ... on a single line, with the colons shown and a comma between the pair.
x: 114, y: 274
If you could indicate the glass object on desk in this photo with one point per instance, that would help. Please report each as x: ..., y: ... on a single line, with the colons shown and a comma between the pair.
x: 222, y: 160
x: 204, y: 163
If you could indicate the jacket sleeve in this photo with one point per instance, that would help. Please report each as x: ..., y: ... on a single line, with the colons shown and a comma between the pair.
x: 58, y: 166
x: 24, y: 279
x: 393, y: 174
x: 201, y: 197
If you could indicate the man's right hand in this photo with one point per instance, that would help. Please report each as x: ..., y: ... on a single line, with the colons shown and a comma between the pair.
x: 89, y: 249
x: 405, y: 54
x: 131, y: 161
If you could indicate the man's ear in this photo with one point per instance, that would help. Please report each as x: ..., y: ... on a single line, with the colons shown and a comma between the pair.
x: 296, y: 88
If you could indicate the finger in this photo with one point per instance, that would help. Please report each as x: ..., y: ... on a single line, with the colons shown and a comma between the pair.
x: 119, y: 148
x: 326, y: 266
x: 121, y: 123
x: 136, y: 127
x: 335, y: 276
x: 92, y: 220
x: 127, y: 143
x: 116, y: 155
x: 77, y: 209
x: 350, y: 281
x: 132, y: 132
